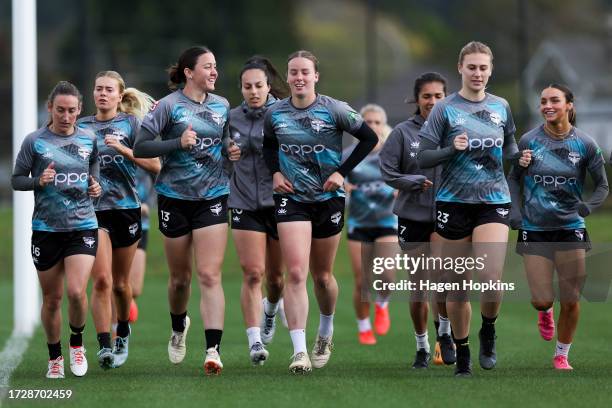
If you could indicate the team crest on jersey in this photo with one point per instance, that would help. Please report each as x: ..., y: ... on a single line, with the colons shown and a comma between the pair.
x: 573, y: 157
x: 133, y: 229
x: 116, y: 134
x: 495, y: 118
x: 336, y: 217
x: 84, y: 152
x: 216, y: 209
x: 317, y: 125
x: 217, y: 118
x: 503, y: 212
x: 538, y: 156
x: 89, y: 242
x: 579, y: 235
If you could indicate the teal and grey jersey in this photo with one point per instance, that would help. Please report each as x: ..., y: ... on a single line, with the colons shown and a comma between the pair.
x: 371, y: 201
x: 198, y: 173
x: 554, y: 181
x: 309, y: 143
x: 146, y: 193
x: 117, y: 172
x: 62, y: 205
x: 474, y: 175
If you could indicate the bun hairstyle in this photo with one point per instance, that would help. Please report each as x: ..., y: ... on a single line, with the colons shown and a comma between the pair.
x: 278, y: 87
x: 188, y: 59
x: 420, y: 82
x: 569, y: 98
x: 63, y: 88
x: 133, y: 101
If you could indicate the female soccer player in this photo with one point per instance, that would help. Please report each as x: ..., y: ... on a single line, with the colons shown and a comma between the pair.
x: 252, y: 207
x: 303, y: 149
x: 62, y: 162
x: 553, y: 234
x: 370, y: 220
x: 192, y: 192
x: 415, y: 207
x: 116, y: 123
x: 469, y: 131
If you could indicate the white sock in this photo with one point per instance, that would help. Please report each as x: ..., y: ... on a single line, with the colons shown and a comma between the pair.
x: 382, y: 301
x: 326, y: 325
x: 298, y: 338
x: 444, y: 326
x: 254, y: 335
x: 364, y: 325
x: 270, y: 308
x: 422, y: 341
x: 562, y: 349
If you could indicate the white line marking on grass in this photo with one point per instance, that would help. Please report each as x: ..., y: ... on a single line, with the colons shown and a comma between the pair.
x: 10, y: 358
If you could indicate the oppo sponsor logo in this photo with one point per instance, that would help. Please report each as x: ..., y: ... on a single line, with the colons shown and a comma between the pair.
x: 206, y: 142
x: 555, y: 181
x: 105, y: 159
x: 303, y: 149
x: 70, y: 178
x: 486, y: 143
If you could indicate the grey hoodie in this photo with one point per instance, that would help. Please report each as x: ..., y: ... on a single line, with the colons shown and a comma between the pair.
x: 251, y: 181
x: 399, y: 168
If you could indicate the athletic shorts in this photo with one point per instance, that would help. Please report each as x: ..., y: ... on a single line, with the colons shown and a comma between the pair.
x: 123, y: 226
x: 180, y: 217
x: 260, y: 221
x: 144, y: 240
x: 327, y: 217
x: 458, y: 220
x: 370, y: 234
x: 48, y: 248
x: 412, y: 234
x: 546, y: 243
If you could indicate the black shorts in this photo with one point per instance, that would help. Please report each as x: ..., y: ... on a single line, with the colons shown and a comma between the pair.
x: 411, y: 234
x: 260, y: 221
x: 144, y: 240
x: 546, y: 243
x: 123, y: 226
x: 327, y: 217
x: 48, y: 248
x: 458, y: 220
x: 180, y: 217
x: 370, y: 234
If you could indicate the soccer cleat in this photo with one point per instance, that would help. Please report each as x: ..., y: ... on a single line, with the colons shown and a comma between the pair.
x: 259, y: 354
x: 56, y: 368
x: 437, y: 356
x: 421, y: 359
x: 78, y: 361
x: 281, y: 313
x: 106, y: 358
x: 268, y: 327
x: 546, y: 324
x: 463, y: 367
x: 176, y: 346
x: 367, y: 338
x: 120, y: 350
x: 321, y: 352
x: 212, y: 362
x: 487, y: 355
x: 300, y: 364
x: 133, y: 311
x: 382, y: 322
x: 561, y: 363
x: 447, y: 349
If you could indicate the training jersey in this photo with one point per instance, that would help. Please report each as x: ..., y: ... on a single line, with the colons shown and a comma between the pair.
x: 371, y: 200
x: 310, y: 143
x: 475, y: 175
x: 554, y: 180
x: 117, y: 172
x: 146, y: 193
x: 198, y: 173
x: 62, y: 205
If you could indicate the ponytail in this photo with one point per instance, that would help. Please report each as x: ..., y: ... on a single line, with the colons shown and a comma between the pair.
x: 278, y: 86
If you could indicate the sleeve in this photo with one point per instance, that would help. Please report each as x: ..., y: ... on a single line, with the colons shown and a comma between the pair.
x: 225, y: 137
x: 435, y: 126
x: 270, y: 145
x: 154, y: 124
x: 346, y: 118
x: 510, y: 151
x: 21, y: 179
x: 94, y: 164
x: 514, y: 184
x: 391, y: 168
x: 596, y: 167
x: 367, y: 141
x: 135, y: 124
x: 430, y: 156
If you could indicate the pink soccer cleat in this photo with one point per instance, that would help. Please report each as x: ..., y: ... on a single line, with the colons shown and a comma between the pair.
x: 546, y: 324
x: 561, y: 363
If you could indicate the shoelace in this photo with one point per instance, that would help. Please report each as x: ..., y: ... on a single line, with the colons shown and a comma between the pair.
x: 176, y: 339
x: 79, y: 356
x: 55, y: 367
x: 321, y: 344
x: 298, y: 356
x: 268, y: 323
x: 119, y: 343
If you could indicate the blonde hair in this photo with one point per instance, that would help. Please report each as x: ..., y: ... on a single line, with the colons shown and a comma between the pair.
x: 374, y: 108
x: 133, y: 101
x: 475, y: 47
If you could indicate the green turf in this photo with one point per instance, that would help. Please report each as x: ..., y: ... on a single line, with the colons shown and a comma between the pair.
x: 356, y: 375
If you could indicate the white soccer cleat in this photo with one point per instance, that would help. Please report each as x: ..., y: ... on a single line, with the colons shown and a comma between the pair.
x: 321, y: 352
x: 212, y: 362
x: 78, y: 361
x: 268, y: 327
x: 176, y: 346
x: 56, y: 368
x: 258, y: 354
x: 121, y: 350
x: 301, y: 364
